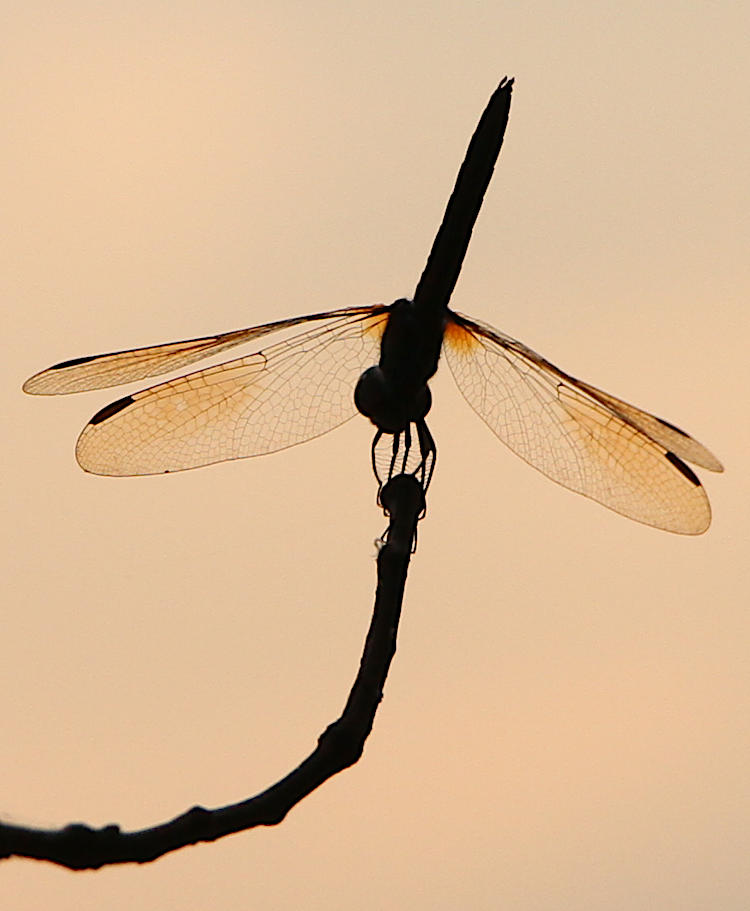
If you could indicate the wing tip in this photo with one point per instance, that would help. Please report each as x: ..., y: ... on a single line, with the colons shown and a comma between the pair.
x: 35, y: 385
x: 32, y: 385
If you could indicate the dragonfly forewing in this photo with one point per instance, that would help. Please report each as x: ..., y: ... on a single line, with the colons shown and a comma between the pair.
x: 100, y: 371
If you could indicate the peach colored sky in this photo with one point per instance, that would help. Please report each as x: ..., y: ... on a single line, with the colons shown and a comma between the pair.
x: 566, y: 721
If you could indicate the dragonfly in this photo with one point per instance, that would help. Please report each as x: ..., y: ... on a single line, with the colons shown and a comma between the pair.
x: 378, y: 360
x: 576, y: 434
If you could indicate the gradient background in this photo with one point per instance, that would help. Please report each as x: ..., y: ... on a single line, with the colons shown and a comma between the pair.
x: 566, y: 721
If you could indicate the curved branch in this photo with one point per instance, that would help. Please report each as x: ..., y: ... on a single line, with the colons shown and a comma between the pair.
x: 80, y: 847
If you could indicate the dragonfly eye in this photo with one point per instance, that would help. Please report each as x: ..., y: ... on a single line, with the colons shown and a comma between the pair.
x: 371, y: 394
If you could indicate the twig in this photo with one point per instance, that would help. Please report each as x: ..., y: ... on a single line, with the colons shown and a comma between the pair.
x: 81, y: 847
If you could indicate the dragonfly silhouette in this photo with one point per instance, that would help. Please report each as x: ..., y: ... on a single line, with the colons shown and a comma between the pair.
x: 301, y: 387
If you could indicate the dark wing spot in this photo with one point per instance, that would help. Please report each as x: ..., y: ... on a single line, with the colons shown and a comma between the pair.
x: 682, y: 467
x: 74, y: 363
x: 672, y: 427
x: 109, y: 410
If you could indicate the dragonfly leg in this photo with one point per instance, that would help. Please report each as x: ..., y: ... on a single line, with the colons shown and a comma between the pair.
x: 428, y: 451
x: 411, y: 453
x: 373, y: 459
x: 407, y: 448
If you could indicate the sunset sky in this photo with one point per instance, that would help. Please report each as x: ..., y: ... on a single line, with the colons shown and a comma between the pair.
x: 565, y: 725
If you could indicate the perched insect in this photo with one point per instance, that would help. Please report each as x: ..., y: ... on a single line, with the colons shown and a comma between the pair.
x: 577, y: 435
x: 379, y: 359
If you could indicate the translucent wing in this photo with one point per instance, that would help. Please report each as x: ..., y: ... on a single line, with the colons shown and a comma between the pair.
x: 288, y: 393
x: 585, y: 439
x: 102, y: 370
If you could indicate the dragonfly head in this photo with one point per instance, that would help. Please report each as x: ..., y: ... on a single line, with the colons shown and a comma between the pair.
x: 389, y: 405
